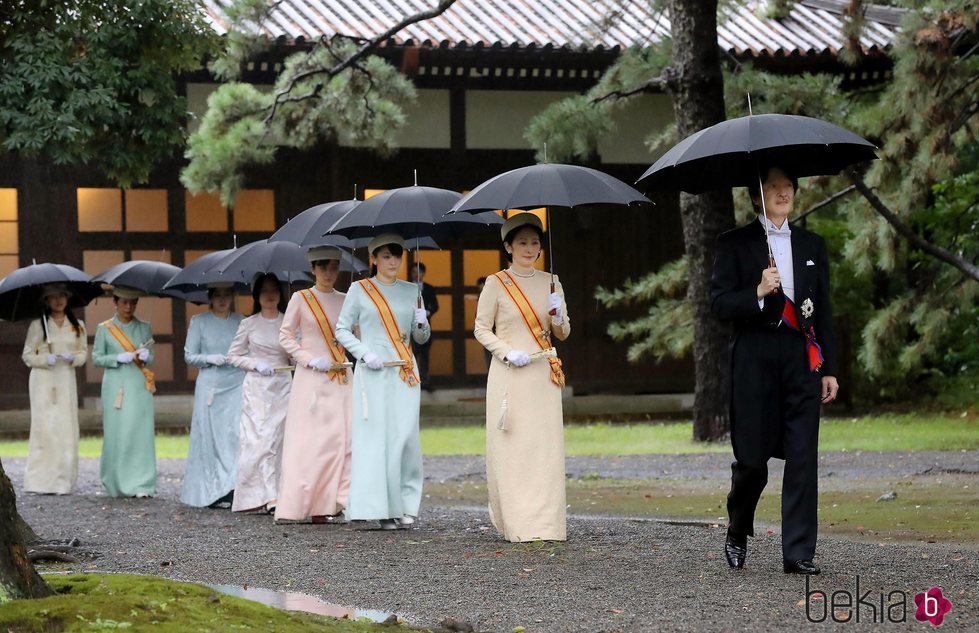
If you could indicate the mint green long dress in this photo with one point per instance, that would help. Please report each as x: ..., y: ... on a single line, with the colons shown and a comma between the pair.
x: 128, y: 447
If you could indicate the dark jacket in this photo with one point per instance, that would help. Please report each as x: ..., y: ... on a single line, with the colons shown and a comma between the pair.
x: 742, y: 255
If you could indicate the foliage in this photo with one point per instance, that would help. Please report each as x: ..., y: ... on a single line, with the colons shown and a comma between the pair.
x: 334, y: 91
x: 87, y: 81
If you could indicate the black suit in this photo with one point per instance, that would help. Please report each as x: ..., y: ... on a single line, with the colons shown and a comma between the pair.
x: 775, y: 397
x: 422, y: 350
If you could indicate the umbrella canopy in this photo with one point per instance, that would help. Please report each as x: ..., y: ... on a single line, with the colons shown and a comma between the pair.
x: 286, y: 260
x: 548, y: 185
x: 412, y: 212
x: 20, y: 291
x: 142, y: 274
x: 309, y: 227
x: 730, y: 153
x: 189, y: 279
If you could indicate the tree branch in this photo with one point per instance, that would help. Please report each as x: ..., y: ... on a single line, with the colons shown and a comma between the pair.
x: 656, y: 82
x: 908, y: 233
x: 364, y: 50
x: 833, y: 198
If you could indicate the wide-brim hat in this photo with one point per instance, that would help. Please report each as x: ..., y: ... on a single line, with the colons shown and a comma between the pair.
x: 518, y: 220
x: 125, y: 292
x: 49, y: 290
x: 385, y: 239
x: 320, y: 253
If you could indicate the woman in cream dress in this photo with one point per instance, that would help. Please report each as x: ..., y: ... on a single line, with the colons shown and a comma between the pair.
x: 524, y: 418
x: 56, y: 344
x: 315, y: 481
x: 265, y: 392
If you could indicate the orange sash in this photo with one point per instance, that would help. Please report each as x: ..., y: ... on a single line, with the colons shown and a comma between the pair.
x: 326, y: 329
x: 127, y: 345
x: 532, y: 321
x: 399, y: 341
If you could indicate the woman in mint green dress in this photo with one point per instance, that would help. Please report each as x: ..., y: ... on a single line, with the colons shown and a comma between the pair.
x: 123, y: 347
x: 386, y: 462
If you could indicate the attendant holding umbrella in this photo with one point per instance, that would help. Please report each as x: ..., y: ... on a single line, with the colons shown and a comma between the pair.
x: 386, y: 477
x: 257, y: 350
x: 212, y: 463
x: 123, y: 347
x: 315, y: 481
x: 516, y: 317
x: 56, y: 344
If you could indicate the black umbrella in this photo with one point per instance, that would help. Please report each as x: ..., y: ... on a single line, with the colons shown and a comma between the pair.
x: 730, y: 153
x: 190, y: 278
x: 20, y: 291
x: 142, y: 274
x: 414, y: 213
x: 286, y: 260
x: 309, y: 227
x: 548, y: 185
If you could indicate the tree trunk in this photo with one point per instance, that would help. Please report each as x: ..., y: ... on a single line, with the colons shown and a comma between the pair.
x: 697, y: 89
x: 18, y: 578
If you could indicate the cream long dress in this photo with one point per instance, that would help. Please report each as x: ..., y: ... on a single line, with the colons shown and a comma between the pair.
x: 315, y: 478
x: 524, y: 462
x: 52, y: 451
x: 263, y: 411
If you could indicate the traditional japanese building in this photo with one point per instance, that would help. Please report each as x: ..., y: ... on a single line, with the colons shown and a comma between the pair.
x: 483, y: 70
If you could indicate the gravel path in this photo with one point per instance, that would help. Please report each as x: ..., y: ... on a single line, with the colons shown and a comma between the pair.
x: 612, y: 575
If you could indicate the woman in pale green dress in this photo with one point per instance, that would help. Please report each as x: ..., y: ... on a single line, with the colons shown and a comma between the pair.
x: 128, y: 448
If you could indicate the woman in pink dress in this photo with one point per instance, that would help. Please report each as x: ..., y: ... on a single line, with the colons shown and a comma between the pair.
x: 315, y: 479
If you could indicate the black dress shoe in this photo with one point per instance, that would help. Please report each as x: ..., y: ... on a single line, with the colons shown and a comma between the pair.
x: 800, y: 567
x: 736, y: 550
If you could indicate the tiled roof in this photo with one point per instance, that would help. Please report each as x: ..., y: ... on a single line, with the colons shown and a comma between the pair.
x: 811, y: 27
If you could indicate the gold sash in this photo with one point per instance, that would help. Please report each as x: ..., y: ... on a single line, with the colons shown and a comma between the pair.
x: 399, y: 341
x: 326, y: 329
x: 532, y: 321
x: 127, y: 345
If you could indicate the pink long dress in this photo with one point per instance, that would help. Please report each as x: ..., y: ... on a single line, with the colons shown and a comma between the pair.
x: 315, y: 478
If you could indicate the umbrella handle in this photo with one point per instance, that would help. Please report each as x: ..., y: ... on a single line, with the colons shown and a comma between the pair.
x: 554, y: 311
x: 771, y: 264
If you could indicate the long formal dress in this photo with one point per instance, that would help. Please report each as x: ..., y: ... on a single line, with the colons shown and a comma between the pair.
x: 263, y: 415
x: 52, y: 451
x: 386, y: 472
x: 315, y: 478
x: 128, y: 444
x: 212, y: 461
x: 524, y: 460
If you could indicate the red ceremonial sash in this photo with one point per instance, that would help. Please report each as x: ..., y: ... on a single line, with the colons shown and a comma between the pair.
x: 532, y: 321
x: 399, y: 341
x: 326, y: 329
x: 813, y: 351
x: 127, y: 345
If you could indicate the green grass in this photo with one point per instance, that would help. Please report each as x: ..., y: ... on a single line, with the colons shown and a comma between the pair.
x: 89, y: 602
x: 883, y: 432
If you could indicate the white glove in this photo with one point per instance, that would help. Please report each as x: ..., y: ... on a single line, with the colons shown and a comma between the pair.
x: 264, y: 368
x: 215, y: 359
x: 554, y: 303
x: 320, y: 364
x: 69, y: 357
x: 52, y: 359
x: 373, y: 361
x: 143, y: 354
x: 518, y: 358
x: 421, y: 317
x: 125, y: 357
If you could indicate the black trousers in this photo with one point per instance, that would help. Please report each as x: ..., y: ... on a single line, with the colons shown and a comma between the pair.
x: 775, y: 413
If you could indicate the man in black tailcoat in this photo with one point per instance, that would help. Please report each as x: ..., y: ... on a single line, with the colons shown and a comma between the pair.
x: 783, y: 366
